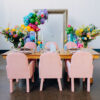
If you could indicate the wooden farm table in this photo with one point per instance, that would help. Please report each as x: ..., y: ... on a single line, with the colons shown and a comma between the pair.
x: 65, y: 55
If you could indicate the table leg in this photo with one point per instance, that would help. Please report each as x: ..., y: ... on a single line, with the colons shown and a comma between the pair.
x: 66, y: 69
x: 91, y: 80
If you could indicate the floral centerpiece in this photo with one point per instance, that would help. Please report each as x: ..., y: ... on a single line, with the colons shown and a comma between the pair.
x: 15, y: 35
x: 87, y: 33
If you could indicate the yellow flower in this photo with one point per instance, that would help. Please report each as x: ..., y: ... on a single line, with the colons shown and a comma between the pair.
x: 25, y: 33
x: 23, y: 26
x: 88, y: 29
x: 81, y: 30
x: 88, y: 36
x: 20, y: 39
x: 85, y: 38
x: 7, y: 29
x: 13, y: 29
x: 39, y: 42
x: 65, y: 41
x: 78, y: 33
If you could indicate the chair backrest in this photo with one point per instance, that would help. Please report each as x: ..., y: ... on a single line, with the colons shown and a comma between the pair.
x: 71, y: 45
x: 17, y: 65
x: 30, y: 45
x: 81, y: 65
x: 50, y: 65
x: 47, y: 45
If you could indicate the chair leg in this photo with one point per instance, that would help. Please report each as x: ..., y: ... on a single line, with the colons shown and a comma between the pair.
x: 83, y: 79
x: 17, y: 80
x: 66, y: 69
x: 11, y: 85
x: 33, y: 77
x: 72, y: 84
x: 88, y: 85
x: 28, y: 87
x: 41, y: 85
x: 68, y: 79
x: 59, y: 83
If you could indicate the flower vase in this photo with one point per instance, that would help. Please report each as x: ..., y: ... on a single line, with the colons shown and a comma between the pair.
x: 85, y: 44
x: 15, y: 45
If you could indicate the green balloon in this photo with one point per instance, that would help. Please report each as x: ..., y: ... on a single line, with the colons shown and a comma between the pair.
x: 32, y: 20
x: 39, y: 23
x: 34, y: 15
x: 68, y: 32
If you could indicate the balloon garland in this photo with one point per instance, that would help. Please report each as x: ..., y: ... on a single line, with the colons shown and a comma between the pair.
x: 31, y: 22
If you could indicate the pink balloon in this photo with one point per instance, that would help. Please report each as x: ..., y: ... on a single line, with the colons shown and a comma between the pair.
x: 36, y: 23
x: 30, y: 24
x: 69, y: 25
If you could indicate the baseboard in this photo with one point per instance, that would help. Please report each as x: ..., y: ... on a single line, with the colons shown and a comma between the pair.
x: 3, y: 51
x: 98, y: 50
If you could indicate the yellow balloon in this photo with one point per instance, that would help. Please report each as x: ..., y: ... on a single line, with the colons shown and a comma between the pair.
x: 31, y: 29
x: 28, y: 28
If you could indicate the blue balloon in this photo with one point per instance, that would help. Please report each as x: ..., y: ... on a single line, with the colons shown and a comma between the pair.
x: 30, y: 15
x: 42, y: 20
x: 28, y: 40
x: 45, y: 11
x: 39, y: 13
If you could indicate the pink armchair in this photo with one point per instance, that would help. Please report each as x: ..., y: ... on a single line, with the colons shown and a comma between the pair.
x: 50, y: 66
x: 71, y: 45
x: 18, y: 68
x: 80, y: 67
x: 48, y: 43
x: 30, y: 45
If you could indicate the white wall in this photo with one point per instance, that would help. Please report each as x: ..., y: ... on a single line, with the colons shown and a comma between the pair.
x: 79, y: 12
